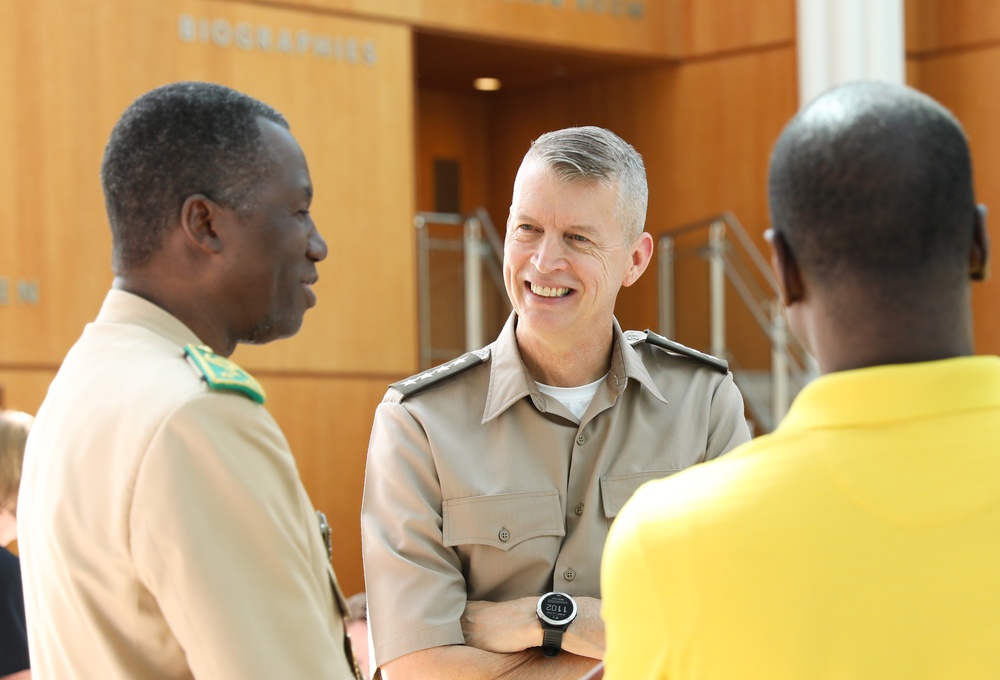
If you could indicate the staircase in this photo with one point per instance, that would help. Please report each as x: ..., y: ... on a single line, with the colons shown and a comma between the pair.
x: 733, y: 264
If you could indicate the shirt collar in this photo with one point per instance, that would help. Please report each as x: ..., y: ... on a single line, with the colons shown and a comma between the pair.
x: 510, y: 380
x: 121, y: 307
x: 896, y: 392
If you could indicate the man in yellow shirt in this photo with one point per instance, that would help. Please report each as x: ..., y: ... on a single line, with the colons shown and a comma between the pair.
x: 859, y: 540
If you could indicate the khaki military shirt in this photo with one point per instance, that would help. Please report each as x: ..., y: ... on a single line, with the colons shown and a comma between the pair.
x: 164, y: 531
x: 479, y: 487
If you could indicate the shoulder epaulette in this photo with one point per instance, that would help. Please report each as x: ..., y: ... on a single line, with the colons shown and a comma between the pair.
x: 222, y: 374
x: 635, y: 337
x: 432, y: 376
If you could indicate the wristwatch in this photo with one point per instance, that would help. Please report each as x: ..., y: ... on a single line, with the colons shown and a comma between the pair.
x: 555, y: 612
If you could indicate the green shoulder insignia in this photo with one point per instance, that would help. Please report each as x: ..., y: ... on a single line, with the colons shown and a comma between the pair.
x: 222, y: 374
x: 635, y: 337
x: 422, y: 381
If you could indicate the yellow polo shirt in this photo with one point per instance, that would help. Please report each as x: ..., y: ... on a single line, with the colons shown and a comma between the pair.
x: 860, y: 540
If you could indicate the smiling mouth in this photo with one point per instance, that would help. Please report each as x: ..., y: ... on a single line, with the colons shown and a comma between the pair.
x: 544, y: 291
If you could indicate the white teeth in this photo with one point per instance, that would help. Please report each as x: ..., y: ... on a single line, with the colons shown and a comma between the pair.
x: 549, y: 292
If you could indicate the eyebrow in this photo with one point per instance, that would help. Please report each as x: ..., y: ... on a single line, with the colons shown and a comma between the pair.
x: 584, y: 229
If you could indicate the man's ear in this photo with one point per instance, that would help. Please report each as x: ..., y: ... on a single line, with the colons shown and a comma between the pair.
x: 199, y: 215
x: 979, y: 254
x: 642, y: 253
x: 785, y: 268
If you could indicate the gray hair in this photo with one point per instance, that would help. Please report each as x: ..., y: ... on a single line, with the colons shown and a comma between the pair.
x: 593, y: 154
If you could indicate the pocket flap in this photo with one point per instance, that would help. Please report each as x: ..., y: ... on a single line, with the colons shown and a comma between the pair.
x: 619, y: 488
x: 502, y: 520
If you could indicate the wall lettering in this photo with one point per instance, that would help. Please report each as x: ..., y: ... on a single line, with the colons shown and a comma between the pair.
x: 620, y: 9
x: 247, y: 37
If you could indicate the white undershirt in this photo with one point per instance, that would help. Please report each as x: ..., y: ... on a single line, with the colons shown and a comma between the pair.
x: 576, y: 399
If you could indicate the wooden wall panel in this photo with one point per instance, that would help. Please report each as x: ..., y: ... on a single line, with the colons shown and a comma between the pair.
x: 328, y: 423
x: 935, y: 25
x: 965, y: 82
x: 53, y: 222
x: 633, y: 27
x: 76, y: 65
x: 713, y: 26
x: 669, y: 29
x: 24, y: 388
x: 451, y: 126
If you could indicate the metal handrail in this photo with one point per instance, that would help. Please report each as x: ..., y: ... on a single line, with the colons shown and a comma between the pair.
x: 755, y: 285
x: 481, y: 245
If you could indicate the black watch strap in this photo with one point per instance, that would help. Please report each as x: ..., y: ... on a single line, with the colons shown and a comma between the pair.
x: 552, y: 640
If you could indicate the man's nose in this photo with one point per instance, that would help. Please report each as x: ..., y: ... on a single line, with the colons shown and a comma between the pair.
x: 550, y: 255
x: 316, y: 249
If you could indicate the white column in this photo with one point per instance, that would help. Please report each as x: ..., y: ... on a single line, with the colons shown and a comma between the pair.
x: 843, y: 40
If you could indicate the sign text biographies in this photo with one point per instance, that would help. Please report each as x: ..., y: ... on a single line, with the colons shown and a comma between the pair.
x: 262, y: 38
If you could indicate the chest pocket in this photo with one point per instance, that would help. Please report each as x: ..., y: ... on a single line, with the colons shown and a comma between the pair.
x: 616, y: 490
x: 502, y: 520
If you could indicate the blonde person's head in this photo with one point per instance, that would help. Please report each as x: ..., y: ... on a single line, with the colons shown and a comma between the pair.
x: 14, y: 426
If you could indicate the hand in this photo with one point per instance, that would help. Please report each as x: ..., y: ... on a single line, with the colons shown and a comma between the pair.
x: 504, y: 627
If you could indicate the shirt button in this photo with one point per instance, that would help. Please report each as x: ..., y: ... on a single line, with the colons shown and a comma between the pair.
x: 504, y: 535
x: 579, y: 509
x: 580, y: 439
x: 569, y: 575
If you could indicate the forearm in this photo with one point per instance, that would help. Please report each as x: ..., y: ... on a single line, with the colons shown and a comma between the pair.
x: 461, y: 662
x: 585, y: 636
x: 513, y: 626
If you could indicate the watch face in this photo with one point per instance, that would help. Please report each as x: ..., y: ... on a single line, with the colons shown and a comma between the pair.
x: 556, y: 608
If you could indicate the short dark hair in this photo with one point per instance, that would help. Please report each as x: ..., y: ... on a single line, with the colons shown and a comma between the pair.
x: 594, y: 154
x: 175, y: 141
x: 872, y: 184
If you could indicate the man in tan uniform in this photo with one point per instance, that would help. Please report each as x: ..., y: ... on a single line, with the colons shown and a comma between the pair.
x: 493, y: 479
x: 165, y: 532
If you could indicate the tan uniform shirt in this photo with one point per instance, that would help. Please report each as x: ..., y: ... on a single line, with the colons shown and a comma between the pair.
x: 478, y: 487
x: 163, y: 528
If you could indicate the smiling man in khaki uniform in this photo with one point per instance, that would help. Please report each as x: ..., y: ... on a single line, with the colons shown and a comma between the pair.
x: 493, y: 479
x: 165, y: 533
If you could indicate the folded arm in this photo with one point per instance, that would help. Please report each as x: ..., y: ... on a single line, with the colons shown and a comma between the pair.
x: 462, y: 662
x: 513, y: 626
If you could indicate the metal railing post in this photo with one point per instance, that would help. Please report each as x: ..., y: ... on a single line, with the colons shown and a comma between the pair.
x: 665, y: 272
x: 473, y: 284
x: 423, y: 291
x: 717, y: 287
x: 779, y: 365
x: 734, y: 259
